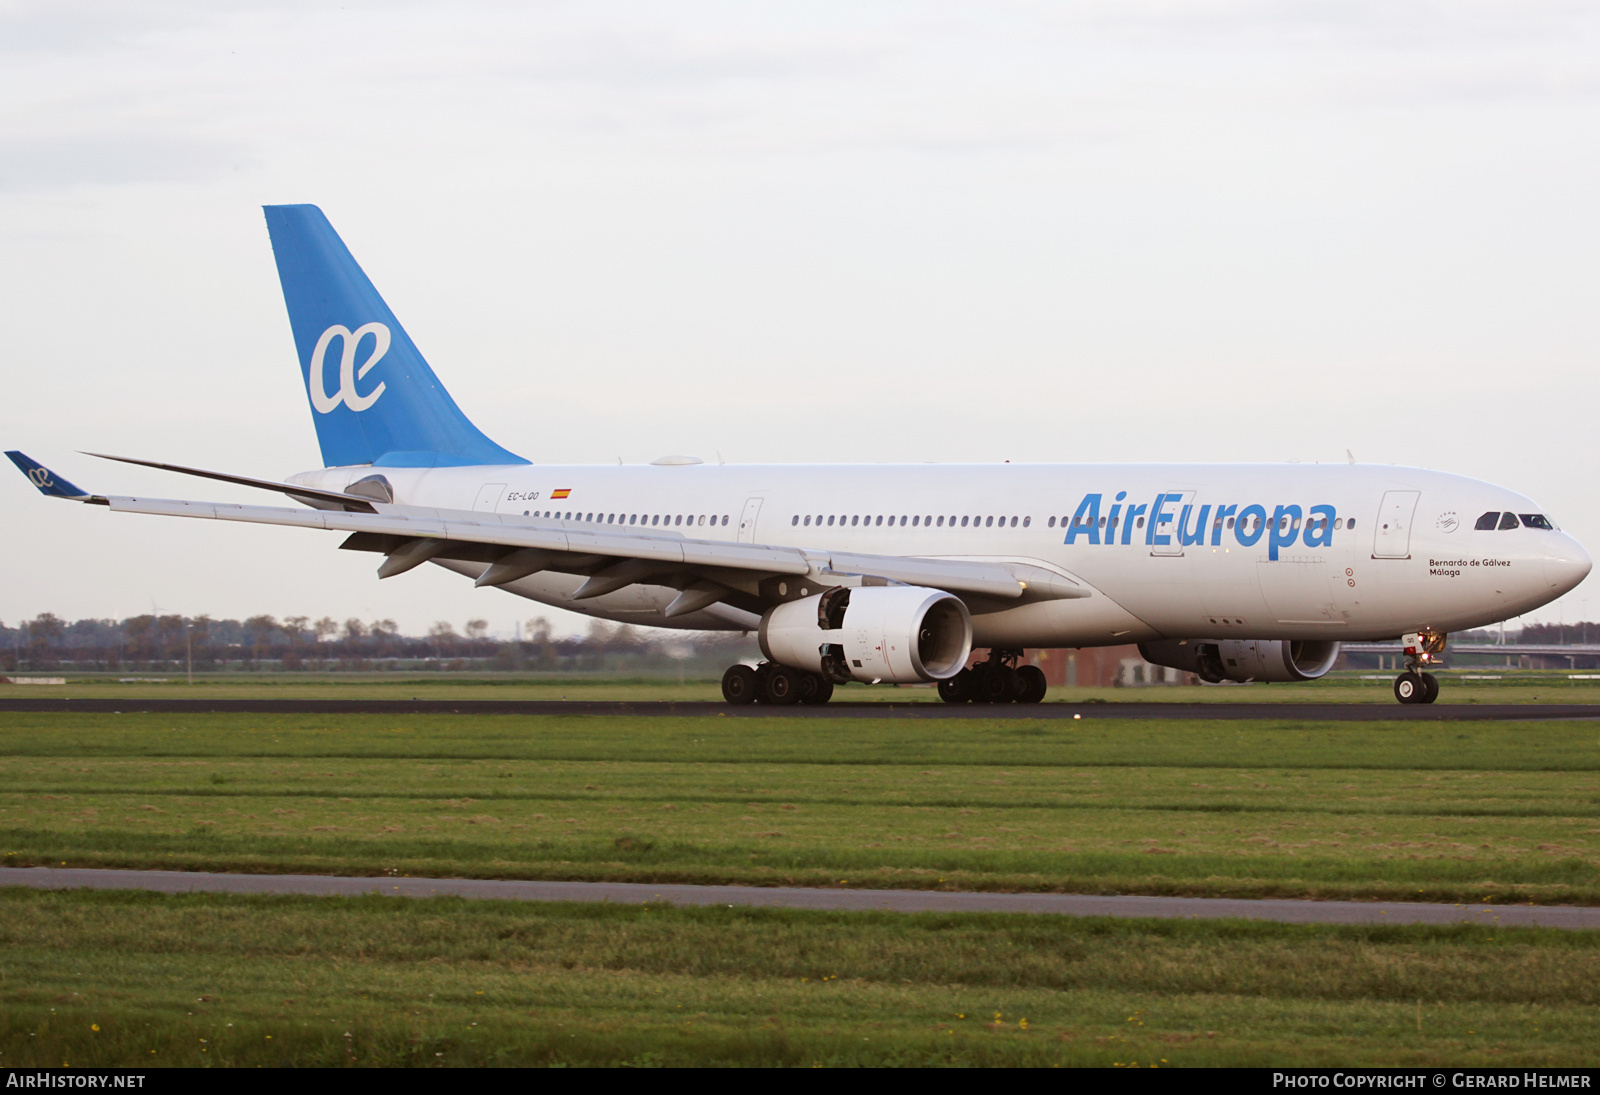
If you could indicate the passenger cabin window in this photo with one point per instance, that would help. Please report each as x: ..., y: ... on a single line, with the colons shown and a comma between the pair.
x: 1508, y: 520
x: 1536, y: 520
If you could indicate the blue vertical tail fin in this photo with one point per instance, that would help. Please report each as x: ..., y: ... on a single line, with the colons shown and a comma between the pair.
x: 373, y: 398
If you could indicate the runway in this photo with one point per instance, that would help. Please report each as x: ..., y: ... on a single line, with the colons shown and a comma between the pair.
x: 1282, y: 712
x: 790, y: 897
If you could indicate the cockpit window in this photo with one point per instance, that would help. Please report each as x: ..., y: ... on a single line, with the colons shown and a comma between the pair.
x: 1535, y: 520
x: 1488, y: 521
x: 1508, y: 520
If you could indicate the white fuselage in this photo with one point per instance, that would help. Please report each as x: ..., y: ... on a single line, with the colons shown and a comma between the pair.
x: 1170, y: 551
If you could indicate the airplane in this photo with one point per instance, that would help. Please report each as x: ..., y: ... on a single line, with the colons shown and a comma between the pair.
x: 884, y: 573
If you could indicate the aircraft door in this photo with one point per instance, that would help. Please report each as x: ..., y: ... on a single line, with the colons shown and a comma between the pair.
x: 747, y: 520
x: 1391, y: 533
x: 1174, y: 507
x: 488, y: 497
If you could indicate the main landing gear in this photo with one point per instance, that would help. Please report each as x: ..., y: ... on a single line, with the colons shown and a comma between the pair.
x: 998, y: 680
x: 779, y: 685
x: 1416, y: 685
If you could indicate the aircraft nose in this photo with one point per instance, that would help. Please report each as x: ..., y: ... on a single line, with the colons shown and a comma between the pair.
x: 1567, y: 564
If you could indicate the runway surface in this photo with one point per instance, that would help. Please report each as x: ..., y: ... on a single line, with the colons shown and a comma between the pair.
x: 1317, y: 712
x: 629, y: 893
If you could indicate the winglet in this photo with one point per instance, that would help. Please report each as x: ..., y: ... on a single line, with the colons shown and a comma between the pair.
x: 46, y: 480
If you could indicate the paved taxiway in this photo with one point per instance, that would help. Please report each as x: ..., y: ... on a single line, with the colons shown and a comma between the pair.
x: 791, y: 897
x: 1322, y: 712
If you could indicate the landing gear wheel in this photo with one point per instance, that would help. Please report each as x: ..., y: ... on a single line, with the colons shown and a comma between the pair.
x: 1033, y: 685
x: 815, y: 689
x: 739, y: 684
x: 1409, y: 688
x: 1430, y: 685
x: 958, y: 689
x: 781, y: 687
x: 998, y: 684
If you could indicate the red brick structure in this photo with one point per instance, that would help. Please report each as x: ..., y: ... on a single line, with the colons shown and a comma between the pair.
x: 1102, y: 667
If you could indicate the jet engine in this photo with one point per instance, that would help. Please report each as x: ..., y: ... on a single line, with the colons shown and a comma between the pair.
x: 904, y: 634
x: 1245, y: 659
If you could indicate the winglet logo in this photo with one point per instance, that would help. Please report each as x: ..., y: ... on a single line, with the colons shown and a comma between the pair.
x: 41, y: 478
x: 348, y: 373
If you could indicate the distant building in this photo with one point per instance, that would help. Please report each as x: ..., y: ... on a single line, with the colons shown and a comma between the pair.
x: 1103, y: 667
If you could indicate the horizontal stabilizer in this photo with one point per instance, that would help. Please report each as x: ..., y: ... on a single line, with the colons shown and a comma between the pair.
x: 309, y: 495
x: 46, y: 480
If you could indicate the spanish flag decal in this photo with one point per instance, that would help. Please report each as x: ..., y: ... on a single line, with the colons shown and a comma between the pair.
x: 558, y: 494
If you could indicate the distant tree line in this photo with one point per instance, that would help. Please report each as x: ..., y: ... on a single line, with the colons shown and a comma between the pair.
x: 1582, y: 632
x: 157, y: 643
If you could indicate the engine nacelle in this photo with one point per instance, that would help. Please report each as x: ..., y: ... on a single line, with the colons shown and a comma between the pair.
x: 1245, y: 659
x: 903, y: 634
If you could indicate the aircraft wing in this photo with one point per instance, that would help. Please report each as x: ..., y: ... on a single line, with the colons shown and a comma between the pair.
x: 513, y: 546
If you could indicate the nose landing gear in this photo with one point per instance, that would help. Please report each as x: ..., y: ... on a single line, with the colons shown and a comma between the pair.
x: 1416, y: 685
x: 1410, y: 687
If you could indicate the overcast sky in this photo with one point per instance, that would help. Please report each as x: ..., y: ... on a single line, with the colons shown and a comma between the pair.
x: 957, y: 232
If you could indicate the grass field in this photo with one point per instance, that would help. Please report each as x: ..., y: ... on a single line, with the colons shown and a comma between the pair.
x: 1463, y: 686
x: 1421, y: 811
x: 1437, y: 811
x: 118, y: 979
